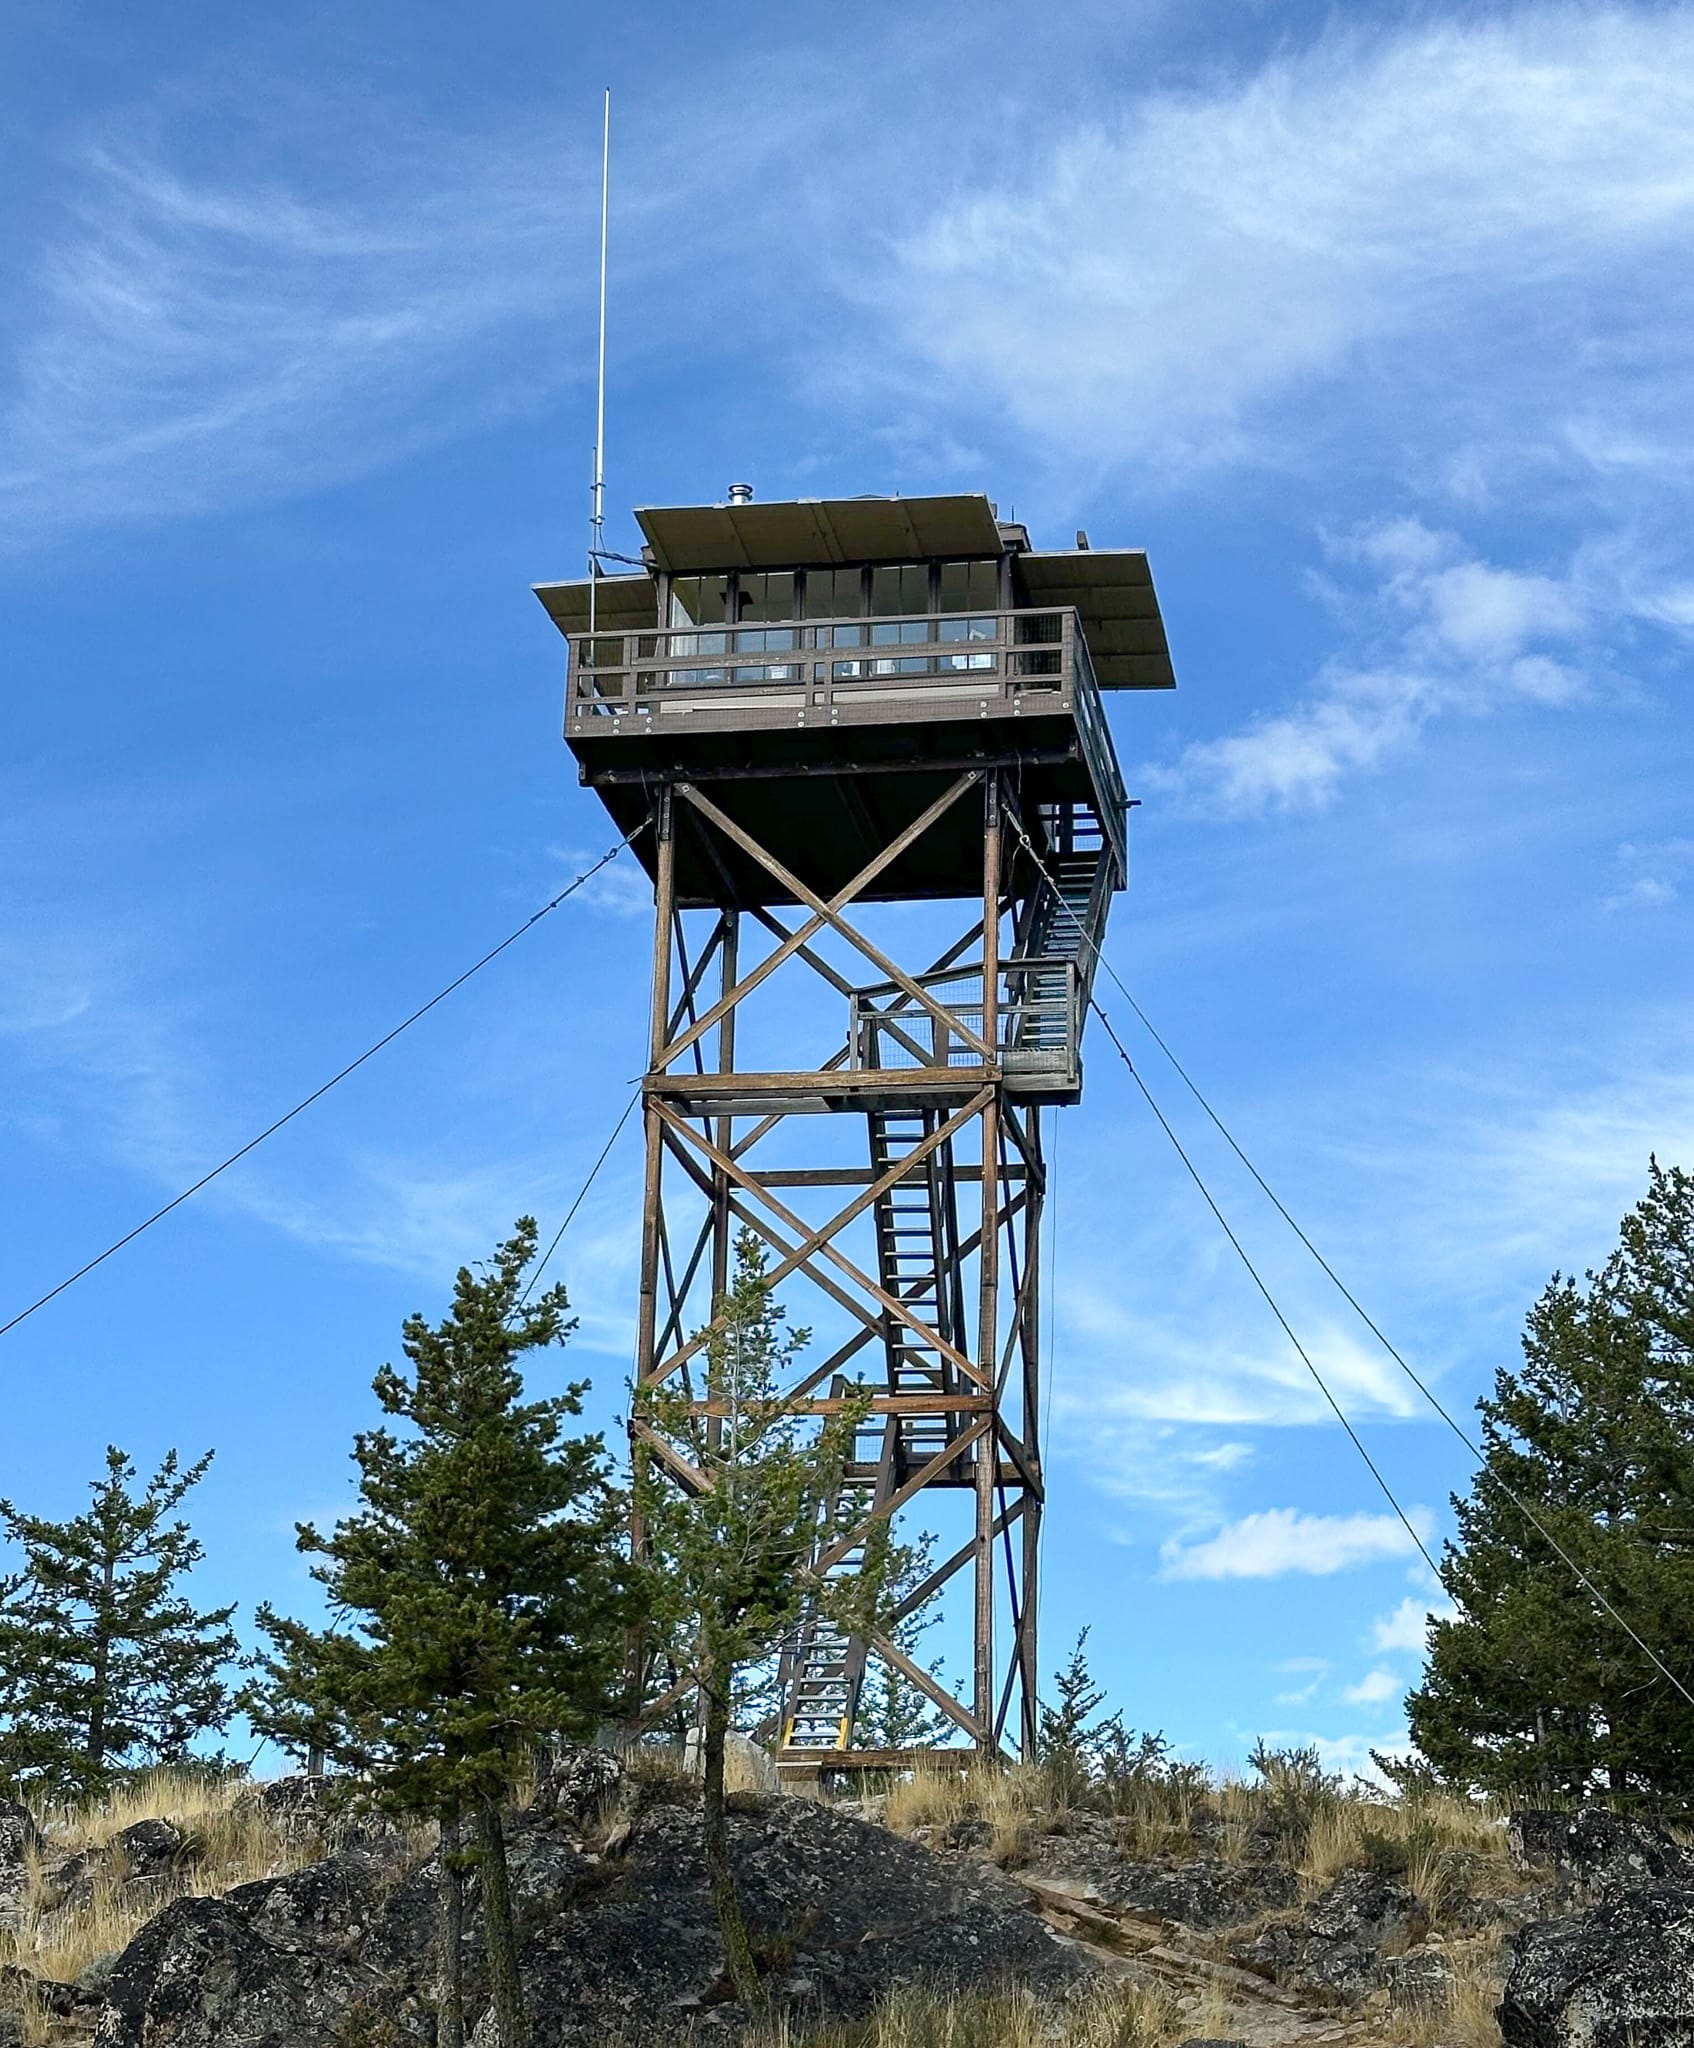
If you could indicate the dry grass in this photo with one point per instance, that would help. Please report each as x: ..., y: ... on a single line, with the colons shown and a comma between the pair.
x: 1467, y: 2016
x: 1104, y: 2016
x: 1004, y: 1798
x: 1438, y: 1847
x: 230, y: 1841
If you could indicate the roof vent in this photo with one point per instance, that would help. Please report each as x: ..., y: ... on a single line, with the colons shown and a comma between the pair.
x: 741, y: 494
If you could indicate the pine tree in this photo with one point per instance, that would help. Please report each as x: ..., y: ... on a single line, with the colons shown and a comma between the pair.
x: 106, y: 1666
x: 1066, y: 1733
x: 1532, y: 1690
x: 480, y: 1600
x: 730, y: 1578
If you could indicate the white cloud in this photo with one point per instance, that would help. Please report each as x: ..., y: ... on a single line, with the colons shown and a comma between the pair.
x: 1153, y: 285
x: 1372, y: 1689
x: 337, y: 281
x: 621, y: 888
x: 1651, y: 874
x: 1226, y: 1366
x: 1279, y: 1541
x: 1407, y: 1627
x: 1439, y: 631
x: 201, y: 341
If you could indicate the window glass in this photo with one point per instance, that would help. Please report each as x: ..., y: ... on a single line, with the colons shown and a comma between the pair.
x: 699, y: 600
x: 833, y: 594
x: 764, y: 594
x: 970, y: 586
x: 900, y: 590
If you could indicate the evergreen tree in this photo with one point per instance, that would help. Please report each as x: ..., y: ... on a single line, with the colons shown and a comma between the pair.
x: 106, y: 1666
x: 730, y: 1579
x: 1066, y: 1735
x: 480, y: 1600
x: 1532, y: 1690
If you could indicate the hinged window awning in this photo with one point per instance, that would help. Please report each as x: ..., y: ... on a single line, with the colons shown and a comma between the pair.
x: 805, y: 533
x: 1112, y: 591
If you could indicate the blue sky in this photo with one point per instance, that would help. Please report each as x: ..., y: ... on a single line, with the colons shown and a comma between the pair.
x: 1372, y: 329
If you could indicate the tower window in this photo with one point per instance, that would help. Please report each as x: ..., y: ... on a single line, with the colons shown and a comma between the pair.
x: 834, y: 593
x: 900, y: 591
x: 969, y: 587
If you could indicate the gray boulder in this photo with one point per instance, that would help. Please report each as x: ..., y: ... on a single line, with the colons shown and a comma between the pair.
x: 841, y: 1910
x: 574, y: 1783
x: 20, y: 1840
x: 1340, y: 1946
x: 151, y: 1848
x: 1202, y: 1892
x: 1593, y: 1854
x: 1619, y: 1976
x: 1419, y: 1982
x: 326, y: 1814
x: 272, y: 1965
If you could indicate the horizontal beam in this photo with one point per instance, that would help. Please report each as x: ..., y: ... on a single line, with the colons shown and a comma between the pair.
x: 939, y: 1403
x: 838, y: 764
x: 856, y: 1176
x: 874, y: 1759
x: 727, y: 1083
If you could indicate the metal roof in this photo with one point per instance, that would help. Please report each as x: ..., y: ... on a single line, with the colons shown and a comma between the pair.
x: 814, y: 532
x: 625, y: 604
x: 1112, y: 591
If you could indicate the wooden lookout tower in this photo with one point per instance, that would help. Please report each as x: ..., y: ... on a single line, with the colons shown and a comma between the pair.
x: 886, y: 825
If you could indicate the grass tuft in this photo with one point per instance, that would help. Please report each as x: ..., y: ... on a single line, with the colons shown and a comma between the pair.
x: 1112, y: 2015
x: 1468, y: 2017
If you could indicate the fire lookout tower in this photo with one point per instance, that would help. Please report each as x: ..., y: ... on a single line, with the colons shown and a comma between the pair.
x: 825, y: 709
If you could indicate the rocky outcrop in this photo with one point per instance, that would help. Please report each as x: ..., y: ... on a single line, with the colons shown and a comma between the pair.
x: 312, y: 1814
x: 269, y: 1963
x: 20, y: 1841
x: 617, y: 1933
x: 1200, y: 1892
x: 1339, y: 1947
x: 151, y: 1848
x: 1618, y: 1976
x: 1594, y: 1854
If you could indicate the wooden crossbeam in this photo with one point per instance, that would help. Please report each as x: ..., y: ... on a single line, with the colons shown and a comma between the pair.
x: 818, y: 1240
x: 823, y: 912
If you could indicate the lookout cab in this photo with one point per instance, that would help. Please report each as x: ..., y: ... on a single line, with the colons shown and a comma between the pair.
x: 803, y: 708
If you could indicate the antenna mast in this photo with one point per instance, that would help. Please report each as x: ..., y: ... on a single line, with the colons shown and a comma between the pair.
x: 597, y: 494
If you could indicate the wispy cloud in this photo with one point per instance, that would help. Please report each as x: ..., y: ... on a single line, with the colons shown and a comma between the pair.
x: 1155, y: 284
x: 197, y: 340
x: 1279, y: 1541
x: 1651, y: 873
x: 343, y: 281
x: 1438, y: 629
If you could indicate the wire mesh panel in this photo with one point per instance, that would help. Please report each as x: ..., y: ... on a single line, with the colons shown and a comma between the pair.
x: 892, y: 1029
x: 1038, y: 1026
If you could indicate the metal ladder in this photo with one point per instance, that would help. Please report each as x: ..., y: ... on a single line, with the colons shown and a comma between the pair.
x: 822, y: 1666
x: 917, y: 1257
x: 917, y: 1241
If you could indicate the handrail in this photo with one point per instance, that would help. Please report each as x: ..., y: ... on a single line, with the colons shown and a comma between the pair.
x: 829, y: 671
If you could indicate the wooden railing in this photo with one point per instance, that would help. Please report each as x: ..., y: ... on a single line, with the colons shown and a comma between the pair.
x: 833, y: 672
